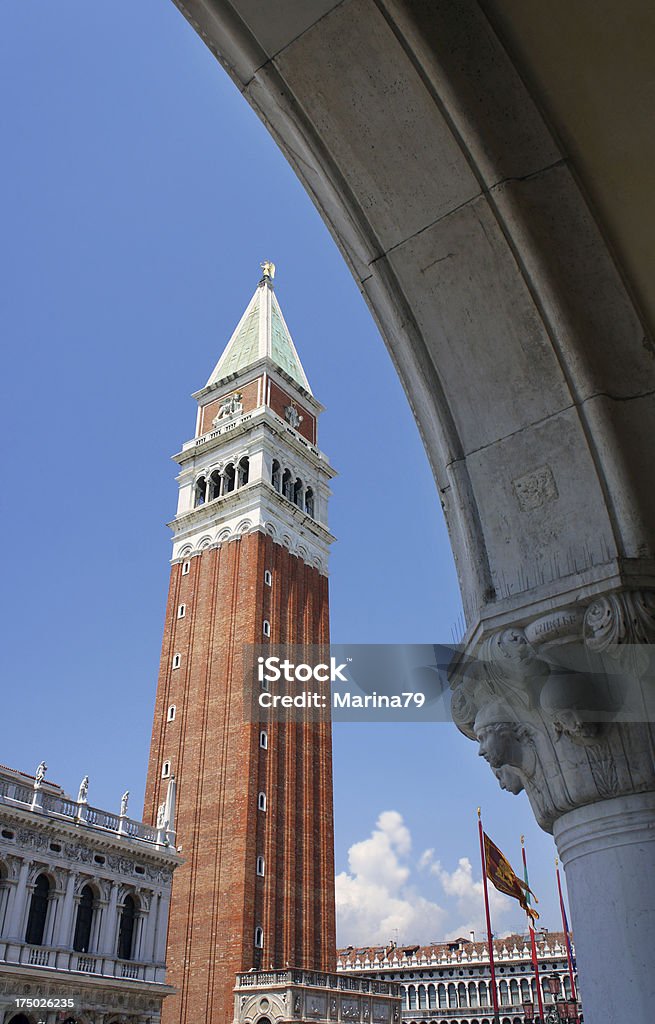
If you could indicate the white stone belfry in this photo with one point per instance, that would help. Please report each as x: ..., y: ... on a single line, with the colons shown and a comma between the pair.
x: 254, y: 464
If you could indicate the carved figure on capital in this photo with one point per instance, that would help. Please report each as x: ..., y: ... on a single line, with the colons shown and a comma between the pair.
x: 620, y: 629
x: 553, y: 721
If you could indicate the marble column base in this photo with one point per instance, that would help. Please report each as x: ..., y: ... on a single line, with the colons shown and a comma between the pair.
x: 608, y: 852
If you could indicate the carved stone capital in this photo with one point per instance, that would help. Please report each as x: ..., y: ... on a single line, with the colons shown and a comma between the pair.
x: 563, y: 707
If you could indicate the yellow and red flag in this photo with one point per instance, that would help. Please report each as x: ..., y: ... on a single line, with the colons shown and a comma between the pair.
x: 501, y: 874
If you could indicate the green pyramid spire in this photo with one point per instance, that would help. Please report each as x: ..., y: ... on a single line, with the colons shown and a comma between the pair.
x: 261, y: 332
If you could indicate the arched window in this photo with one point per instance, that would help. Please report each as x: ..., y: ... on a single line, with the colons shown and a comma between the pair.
x: 259, y: 937
x: 177, y: 660
x: 266, y: 628
x: 166, y: 770
x: 276, y: 475
x: 38, y: 911
x: 473, y: 994
x: 229, y: 478
x: 412, y: 997
x: 526, y: 994
x: 243, y: 471
x: 260, y: 866
x: 263, y: 739
x: 287, y: 485
x: 199, y: 492
x: 514, y: 992
x: 268, y: 577
x: 452, y: 995
x: 422, y: 1002
x: 84, y: 920
x: 298, y: 489
x: 462, y: 994
x: 309, y: 502
x: 261, y: 801
x: 441, y: 993
x: 432, y: 997
x: 126, y: 929
x: 484, y: 995
x: 170, y: 717
x: 504, y: 993
x: 214, y: 486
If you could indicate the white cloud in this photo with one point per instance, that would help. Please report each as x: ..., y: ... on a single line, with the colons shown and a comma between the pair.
x: 379, y: 899
x: 375, y: 900
x: 467, y: 898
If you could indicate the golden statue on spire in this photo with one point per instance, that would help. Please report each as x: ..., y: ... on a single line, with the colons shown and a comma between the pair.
x: 268, y: 269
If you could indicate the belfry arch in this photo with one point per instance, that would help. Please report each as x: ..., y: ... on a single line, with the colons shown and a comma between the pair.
x: 514, y: 316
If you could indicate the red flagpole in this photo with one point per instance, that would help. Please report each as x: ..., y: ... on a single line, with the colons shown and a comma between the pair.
x: 565, y: 927
x: 494, y: 993
x: 533, y: 944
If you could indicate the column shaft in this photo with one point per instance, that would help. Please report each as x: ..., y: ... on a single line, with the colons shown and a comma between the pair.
x: 608, y: 853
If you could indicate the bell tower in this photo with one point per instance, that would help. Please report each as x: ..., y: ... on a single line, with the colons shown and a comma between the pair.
x: 249, y: 566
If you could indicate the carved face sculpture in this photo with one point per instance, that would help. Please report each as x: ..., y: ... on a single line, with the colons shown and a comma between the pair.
x: 509, y: 779
x: 496, y: 742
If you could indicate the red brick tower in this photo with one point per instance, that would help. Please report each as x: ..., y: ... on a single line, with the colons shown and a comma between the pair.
x: 254, y: 801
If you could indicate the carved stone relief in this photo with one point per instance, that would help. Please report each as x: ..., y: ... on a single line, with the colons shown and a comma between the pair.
x: 564, y: 708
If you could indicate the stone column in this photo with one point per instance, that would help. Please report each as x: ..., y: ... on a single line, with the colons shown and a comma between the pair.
x: 608, y: 853
x: 16, y: 922
x: 64, y: 934
x: 13, y: 888
x: 562, y: 707
x: 161, y: 932
x: 148, y: 943
x: 107, y: 944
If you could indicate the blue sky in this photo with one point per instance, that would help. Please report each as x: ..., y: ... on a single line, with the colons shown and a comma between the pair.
x: 139, y: 195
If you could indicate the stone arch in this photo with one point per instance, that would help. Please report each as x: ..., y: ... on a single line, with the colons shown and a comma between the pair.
x: 482, y: 262
x: 510, y: 322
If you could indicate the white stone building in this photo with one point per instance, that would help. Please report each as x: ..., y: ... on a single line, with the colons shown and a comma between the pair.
x: 450, y: 982
x: 84, y: 897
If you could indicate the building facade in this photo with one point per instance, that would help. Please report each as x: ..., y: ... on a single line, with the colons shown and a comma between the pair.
x: 249, y: 567
x: 450, y: 982
x: 84, y: 899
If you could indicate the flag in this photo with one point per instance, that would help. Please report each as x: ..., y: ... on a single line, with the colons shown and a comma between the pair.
x: 501, y: 874
x: 533, y: 943
x: 565, y: 923
x: 526, y: 879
